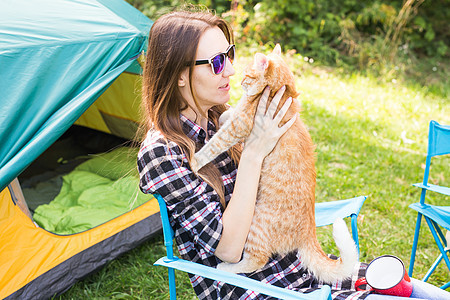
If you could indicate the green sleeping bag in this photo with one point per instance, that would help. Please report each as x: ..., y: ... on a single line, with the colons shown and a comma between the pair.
x: 95, y: 192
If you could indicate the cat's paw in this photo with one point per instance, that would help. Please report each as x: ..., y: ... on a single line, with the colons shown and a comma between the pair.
x: 225, y: 116
x: 201, y: 159
x: 227, y: 267
x: 244, y: 266
x: 198, y: 161
x: 195, y: 166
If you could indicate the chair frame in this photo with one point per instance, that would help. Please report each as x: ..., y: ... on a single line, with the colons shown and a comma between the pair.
x: 431, y: 212
x: 326, y: 213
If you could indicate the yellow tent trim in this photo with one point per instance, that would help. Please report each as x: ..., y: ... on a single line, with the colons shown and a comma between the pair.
x: 39, y: 250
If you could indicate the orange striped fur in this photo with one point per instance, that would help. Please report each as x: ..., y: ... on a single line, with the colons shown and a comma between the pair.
x: 284, y: 214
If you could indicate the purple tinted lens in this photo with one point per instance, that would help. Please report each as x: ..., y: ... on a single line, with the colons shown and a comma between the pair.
x: 230, y: 54
x: 218, y: 63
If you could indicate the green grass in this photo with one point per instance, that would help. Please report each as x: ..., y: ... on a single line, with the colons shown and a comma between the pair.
x: 371, y: 136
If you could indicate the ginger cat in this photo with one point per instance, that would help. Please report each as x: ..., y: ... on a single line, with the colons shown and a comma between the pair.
x: 283, y: 220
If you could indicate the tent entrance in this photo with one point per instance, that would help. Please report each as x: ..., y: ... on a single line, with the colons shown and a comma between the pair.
x: 42, y: 180
x: 84, y: 179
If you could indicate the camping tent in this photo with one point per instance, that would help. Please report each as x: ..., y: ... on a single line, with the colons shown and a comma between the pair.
x: 63, y: 62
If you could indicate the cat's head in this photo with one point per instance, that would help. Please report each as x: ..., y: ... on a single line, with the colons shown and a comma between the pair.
x: 268, y: 70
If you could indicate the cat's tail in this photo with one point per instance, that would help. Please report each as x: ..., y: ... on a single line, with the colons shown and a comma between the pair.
x: 329, y: 270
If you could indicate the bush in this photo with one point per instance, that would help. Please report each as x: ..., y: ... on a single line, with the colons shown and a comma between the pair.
x: 380, y: 35
x: 363, y: 32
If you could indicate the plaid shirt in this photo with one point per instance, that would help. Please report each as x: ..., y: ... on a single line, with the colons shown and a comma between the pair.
x: 196, y: 216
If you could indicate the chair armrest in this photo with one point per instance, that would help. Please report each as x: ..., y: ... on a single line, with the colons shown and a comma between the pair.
x: 241, y: 281
x: 435, y: 188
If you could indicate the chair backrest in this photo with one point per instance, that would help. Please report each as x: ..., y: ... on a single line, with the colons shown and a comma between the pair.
x: 438, y: 144
x: 326, y: 213
x: 438, y: 139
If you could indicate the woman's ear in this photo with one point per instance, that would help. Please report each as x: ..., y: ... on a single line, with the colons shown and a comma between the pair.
x: 181, y: 82
x: 183, y: 79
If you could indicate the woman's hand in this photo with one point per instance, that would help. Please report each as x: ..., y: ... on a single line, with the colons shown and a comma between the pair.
x: 266, y: 133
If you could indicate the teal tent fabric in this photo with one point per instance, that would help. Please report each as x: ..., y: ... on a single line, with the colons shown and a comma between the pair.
x: 56, y: 59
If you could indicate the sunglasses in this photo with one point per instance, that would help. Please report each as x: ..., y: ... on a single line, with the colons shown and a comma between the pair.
x: 219, y: 60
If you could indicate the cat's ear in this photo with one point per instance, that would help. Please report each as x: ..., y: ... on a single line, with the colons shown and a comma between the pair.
x: 277, y: 50
x: 261, y: 62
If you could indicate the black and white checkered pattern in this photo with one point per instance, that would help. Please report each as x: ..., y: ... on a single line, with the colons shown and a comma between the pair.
x: 196, y: 216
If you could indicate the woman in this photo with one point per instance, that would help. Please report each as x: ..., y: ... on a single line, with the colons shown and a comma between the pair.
x: 185, y: 90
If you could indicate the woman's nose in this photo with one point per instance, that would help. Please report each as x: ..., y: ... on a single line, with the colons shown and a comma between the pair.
x: 229, y: 69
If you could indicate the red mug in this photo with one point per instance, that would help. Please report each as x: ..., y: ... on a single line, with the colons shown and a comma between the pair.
x: 387, y: 275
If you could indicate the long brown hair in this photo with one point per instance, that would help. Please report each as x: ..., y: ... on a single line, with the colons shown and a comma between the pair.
x: 173, y: 42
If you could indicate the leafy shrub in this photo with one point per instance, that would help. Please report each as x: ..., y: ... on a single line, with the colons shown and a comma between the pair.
x: 361, y: 33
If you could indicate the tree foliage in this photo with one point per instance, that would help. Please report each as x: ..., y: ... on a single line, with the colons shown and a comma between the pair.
x: 360, y: 32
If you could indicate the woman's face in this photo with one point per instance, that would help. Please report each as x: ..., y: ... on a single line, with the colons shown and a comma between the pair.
x: 209, y: 89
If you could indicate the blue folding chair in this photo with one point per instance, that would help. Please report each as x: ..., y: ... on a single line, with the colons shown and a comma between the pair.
x: 326, y: 212
x: 435, y: 216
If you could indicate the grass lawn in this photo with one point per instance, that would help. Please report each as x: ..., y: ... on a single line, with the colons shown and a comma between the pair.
x: 371, y: 136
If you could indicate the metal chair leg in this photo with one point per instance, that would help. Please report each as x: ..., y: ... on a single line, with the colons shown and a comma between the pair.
x: 414, y: 247
x: 355, y: 231
x: 172, y: 288
x: 432, y: 225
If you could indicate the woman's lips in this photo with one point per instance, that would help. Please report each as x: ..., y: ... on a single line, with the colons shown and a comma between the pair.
x: 225, y: 87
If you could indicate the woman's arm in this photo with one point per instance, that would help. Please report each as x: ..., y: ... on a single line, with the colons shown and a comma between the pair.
x: 238, y: 214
